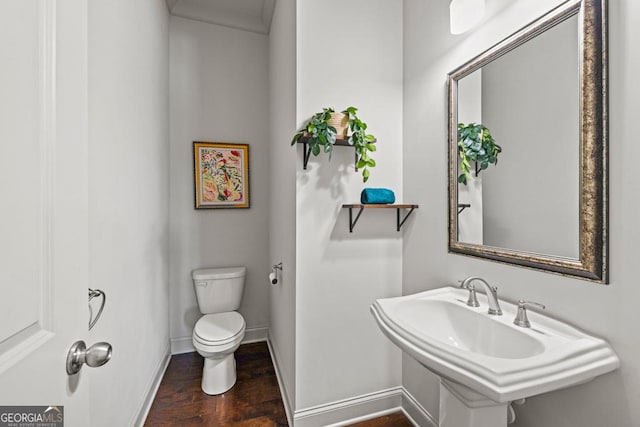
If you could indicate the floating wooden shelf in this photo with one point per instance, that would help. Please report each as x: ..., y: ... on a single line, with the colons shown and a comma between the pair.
x: 304, y: 140
x: 399, y: 223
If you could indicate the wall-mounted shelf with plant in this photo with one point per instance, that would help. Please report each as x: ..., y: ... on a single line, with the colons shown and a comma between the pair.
x: 475, y: 144
x: 329, y: 128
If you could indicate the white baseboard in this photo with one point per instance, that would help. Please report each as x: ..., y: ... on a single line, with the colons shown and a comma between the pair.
x: 352, y: 410
x: 152, y: 389
x: 365, y: 407
x: 185, y: 344
x: 255, y: 335
x: 283, y: 391
x: 181, y: 345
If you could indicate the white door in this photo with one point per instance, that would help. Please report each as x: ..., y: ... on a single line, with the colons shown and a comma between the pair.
x: 43, y: 203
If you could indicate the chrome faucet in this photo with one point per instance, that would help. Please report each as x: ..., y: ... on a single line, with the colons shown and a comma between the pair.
x: 491, y: 291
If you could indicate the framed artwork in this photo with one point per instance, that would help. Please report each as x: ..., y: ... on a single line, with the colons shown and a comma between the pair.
x: 221, y: 173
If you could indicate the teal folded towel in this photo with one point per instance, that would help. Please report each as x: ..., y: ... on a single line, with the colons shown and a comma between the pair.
x: 377, y: 196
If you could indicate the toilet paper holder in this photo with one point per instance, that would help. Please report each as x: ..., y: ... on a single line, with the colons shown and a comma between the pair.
x: 273, y: 276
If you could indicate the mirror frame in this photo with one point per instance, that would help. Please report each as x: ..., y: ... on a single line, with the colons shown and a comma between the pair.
x: 593, y: 146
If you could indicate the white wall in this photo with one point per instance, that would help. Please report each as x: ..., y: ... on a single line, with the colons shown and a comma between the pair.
x: 282, y: 190
x: 348, y: 53
x: 218, y: 93
x: 430, y: 52
x: 128, y: 199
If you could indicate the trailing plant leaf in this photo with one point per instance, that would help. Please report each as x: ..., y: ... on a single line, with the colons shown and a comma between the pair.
x: 361, y: 141
x: 476, y: 144
x: 296, y: 137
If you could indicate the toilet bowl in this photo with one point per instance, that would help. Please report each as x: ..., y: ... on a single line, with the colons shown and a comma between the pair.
x: 218, y: 334
x: 216, y: 337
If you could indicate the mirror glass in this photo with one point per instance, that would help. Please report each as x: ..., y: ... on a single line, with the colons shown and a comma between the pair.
x: 529, y: 100
x: 542, y: 95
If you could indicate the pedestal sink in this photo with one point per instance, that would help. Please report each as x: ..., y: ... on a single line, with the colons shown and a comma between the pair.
x: 484, y: 362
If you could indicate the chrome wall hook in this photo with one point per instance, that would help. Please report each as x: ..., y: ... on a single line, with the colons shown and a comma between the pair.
x: 94, y: 293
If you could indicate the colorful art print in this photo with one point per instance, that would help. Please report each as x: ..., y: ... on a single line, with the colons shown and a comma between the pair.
x: 221, y: 173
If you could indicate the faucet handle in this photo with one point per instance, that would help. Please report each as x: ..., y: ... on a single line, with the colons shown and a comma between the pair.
x: 521, y: 317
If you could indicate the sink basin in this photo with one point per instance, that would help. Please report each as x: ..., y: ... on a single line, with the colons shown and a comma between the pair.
x: 464, y: 330
x: 489, y: 354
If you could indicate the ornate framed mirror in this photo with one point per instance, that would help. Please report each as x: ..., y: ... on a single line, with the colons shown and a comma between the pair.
x: 542, y: 92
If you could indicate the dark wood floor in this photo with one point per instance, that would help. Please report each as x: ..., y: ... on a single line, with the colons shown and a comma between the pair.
x: 393, y: 420
x: 254, y: 401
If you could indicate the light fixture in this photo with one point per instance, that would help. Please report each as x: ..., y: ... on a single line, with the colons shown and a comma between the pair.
x: 465, y: 14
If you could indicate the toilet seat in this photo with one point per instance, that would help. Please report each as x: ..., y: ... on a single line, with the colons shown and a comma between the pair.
x: 219, y: 329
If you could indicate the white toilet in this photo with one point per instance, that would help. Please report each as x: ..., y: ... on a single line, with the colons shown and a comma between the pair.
x: 218, y: 334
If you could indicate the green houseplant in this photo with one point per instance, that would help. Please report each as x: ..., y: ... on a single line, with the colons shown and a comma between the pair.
x: 476, y: 144
x: 322, y: 136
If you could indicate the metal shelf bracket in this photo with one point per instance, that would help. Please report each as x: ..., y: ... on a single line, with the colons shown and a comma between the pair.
x: 352, y: 222
x: 463, y: 206
x: 401, y: 223
x: 306, y: 150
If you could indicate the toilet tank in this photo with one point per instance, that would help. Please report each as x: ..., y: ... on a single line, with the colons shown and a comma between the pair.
x: 219, y: 290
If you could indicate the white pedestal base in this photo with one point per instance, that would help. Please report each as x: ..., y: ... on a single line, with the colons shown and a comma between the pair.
x: 218, y: 375
x: 463, y: 407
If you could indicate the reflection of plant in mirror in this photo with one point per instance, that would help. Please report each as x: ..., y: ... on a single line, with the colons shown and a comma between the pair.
x: 476, y: 144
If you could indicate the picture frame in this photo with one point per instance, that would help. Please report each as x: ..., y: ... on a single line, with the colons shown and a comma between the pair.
x: 221, y: 175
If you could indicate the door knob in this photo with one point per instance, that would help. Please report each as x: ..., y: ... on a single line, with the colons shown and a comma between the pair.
x: 94, y: 356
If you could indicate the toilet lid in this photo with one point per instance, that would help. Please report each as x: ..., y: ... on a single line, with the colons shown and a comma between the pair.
x: 220, y: 327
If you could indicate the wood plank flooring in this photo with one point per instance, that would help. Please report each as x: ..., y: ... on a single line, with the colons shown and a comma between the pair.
x: 393, y: 420
x: 254, y: 401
